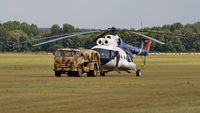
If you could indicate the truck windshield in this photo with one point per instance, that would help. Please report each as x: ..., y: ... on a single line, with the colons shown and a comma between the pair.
x: 66, y: 53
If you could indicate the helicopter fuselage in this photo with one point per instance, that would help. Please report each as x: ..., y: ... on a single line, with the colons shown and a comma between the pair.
x: 114, y: 55
x: 109, y: 56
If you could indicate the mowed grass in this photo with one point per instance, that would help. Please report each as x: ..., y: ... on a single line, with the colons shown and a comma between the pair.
x: 170, y: 84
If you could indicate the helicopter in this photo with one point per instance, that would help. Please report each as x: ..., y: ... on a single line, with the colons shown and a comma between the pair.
x: 115, y: 54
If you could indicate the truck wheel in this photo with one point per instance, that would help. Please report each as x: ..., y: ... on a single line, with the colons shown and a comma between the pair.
x: 93, y: 73
x: 79, y: 73
x: 57, y: 73
x: 103, y: 73
x: 71, y: 74
x: 138, y: 73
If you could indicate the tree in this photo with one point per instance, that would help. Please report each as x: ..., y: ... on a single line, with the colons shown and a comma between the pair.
x: 67, y: 28
x: 175, y: 26
x: 56, y: 30
x: 17, y: 36
x: 13, y: 31
x: 34, y: 30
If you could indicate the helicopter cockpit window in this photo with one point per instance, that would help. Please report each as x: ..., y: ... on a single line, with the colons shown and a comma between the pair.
x: 103, y: 53
x: 106, y: 53
x: 67, y: 53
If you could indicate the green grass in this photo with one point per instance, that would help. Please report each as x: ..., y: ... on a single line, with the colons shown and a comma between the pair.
x: 170, y: 84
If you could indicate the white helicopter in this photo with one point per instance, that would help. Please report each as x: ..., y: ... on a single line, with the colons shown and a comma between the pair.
x: 115, y: 54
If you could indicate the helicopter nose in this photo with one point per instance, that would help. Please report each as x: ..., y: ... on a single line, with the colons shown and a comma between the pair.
x: 104, y: 60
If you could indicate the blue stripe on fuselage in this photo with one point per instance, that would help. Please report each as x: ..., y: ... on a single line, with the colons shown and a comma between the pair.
x: 130, y: 49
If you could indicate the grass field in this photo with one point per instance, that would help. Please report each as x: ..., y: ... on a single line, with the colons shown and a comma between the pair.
x: 170, y: 84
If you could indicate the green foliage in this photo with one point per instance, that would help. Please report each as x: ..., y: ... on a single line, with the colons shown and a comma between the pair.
x: 67, y: 28
x: 56, y: 30
x: 188, y: 42
x: 13, y: 32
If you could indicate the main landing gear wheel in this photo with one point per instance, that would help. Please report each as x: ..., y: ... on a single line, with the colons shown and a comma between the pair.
x: 138, y: 73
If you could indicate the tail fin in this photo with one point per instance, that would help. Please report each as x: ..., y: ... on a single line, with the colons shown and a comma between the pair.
x: 147, y: 48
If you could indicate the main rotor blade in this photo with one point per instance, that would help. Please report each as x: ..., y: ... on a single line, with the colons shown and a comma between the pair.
x: 69, y: 36
x: 42, y: 38
x: 154, y: 32
x: 111, y: 30
x: 101, y: 36
x: 149, y: 38
x: 160, y: 32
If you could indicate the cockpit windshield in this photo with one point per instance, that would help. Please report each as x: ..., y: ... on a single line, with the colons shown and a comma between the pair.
x: 67, y: 53
x: 104, y: 53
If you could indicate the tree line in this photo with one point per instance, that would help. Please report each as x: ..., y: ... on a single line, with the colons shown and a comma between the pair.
x: 13, y: 32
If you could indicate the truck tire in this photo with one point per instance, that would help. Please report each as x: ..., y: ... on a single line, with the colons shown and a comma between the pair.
x: 93, y: 73
x: 58, y: 73
x: 79, y: 73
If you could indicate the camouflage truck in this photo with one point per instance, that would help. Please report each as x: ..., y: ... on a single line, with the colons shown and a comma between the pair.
x: 75, y: 62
